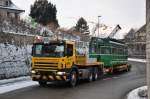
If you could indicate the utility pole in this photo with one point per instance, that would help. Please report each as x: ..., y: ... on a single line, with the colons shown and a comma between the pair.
x: 148, y: 44
x: 99, y: 25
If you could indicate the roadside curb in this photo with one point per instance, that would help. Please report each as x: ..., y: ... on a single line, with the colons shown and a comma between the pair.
x: 134, y: 94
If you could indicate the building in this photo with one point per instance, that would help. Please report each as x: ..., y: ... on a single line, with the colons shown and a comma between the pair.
x: 136, y: 41
x: 9, y: 10
x: 140, y: 41
x: 129, y: 39
x: 130, y: 35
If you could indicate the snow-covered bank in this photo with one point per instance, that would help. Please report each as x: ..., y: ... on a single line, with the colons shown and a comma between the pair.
x: 134, y: 94
x: 13, y: 80
x: 137, y: 60
x: 12, y: 84
x: 18, y: 85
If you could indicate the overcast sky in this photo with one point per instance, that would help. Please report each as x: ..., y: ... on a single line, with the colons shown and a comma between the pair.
x: 127, y: 13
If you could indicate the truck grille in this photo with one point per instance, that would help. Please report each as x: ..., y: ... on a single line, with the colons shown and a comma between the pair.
x: 42, y: 65
x: 47, y: 64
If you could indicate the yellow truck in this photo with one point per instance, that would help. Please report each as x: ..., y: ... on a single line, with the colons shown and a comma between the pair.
x: 63, y: 61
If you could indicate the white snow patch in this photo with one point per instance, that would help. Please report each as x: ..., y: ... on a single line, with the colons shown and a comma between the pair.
x: 134, y: 94
x: 137, y: 60
x: 14, y: 86
x: 11, y: 80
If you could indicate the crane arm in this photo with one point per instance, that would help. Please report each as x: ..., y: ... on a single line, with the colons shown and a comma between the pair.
x: 115, y: 30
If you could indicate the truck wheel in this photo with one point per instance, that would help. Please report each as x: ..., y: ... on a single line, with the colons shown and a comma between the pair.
x: 41, y: 83
x: 95, y: 76
x: 73, y: 79
x: 90, y: 77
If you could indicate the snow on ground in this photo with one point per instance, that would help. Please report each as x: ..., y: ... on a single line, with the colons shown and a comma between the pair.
x: 134, y: 94
x: 137, y: 60
x: 13, y: 80
x: 14, y: 86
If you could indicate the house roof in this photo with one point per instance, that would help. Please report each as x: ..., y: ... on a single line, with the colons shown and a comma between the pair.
x: 12, y: 6
x: 130, y: 33
x: 142, y: 29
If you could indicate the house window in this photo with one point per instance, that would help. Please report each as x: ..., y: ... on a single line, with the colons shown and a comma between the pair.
x: 7, y: 3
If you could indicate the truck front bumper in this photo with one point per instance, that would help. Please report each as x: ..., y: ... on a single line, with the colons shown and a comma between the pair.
x: 49, y: 76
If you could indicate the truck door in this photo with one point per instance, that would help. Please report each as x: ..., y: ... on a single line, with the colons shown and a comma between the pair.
x: 70, y: 55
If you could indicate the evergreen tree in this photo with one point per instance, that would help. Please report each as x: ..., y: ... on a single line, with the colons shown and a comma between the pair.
x: 82, y: 26
x: 44, y: 12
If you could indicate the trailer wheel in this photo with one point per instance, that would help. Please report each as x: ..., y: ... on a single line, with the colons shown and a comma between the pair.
x: 128, y: 68
x: 73, y: 79
x: 42, y: 83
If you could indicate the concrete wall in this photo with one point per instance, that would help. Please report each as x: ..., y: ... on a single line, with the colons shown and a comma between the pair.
x: 148, y: 44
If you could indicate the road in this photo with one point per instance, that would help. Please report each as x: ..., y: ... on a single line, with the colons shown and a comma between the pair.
x: 111, y: 87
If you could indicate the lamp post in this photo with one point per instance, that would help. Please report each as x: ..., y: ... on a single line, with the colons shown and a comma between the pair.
x: 98, y: 25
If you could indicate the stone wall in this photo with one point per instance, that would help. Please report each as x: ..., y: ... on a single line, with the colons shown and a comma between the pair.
x: 148, y: 44
x: 15, y: 55
x: 16, y: 39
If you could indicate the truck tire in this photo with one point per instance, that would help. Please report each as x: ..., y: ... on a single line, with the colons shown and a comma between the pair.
x: 42, y: 83
x: 95, y: 74
x: 90, y: 76
x: 73, y: 78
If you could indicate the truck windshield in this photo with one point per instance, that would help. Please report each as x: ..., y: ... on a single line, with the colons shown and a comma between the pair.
x: 48, y: 50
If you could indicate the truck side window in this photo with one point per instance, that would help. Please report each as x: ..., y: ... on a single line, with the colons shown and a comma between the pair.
x: 69, y: 50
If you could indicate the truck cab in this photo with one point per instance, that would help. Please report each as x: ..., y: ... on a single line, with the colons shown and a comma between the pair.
x: 52, y: 61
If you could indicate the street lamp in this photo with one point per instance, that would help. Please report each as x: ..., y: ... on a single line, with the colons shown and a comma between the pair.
x: 98, y: 24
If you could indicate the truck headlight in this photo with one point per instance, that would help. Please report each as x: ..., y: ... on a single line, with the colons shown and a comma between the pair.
x: 61, y: 73
x: 33, y: 71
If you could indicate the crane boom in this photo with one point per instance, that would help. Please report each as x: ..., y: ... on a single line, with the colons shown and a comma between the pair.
x: 115, y: 30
